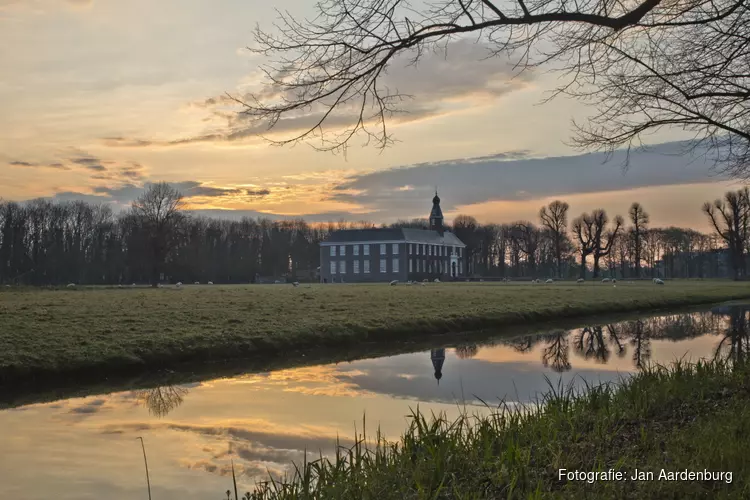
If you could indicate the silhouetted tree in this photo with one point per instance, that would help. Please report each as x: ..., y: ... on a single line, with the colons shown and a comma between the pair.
x: 731, y: 220
x: 640, y: 220
x: 158, y: 210
x: 554, y: 218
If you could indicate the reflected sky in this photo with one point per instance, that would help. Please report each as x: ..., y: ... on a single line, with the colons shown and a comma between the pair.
x: 87, y: 448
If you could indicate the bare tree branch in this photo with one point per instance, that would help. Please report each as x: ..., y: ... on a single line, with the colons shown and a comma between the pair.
x: 643, y: 65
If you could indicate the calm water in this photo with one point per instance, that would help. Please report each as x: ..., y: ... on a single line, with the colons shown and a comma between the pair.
x: 87, y: 448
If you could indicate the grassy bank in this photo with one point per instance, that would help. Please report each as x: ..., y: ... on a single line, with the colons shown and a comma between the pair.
x: 46, y: 333
x: 685, y: 418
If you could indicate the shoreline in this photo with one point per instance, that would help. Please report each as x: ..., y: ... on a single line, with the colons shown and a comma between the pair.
x: 34, y: 386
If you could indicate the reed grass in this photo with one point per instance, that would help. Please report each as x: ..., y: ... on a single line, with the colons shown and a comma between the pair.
x: 694, y: 417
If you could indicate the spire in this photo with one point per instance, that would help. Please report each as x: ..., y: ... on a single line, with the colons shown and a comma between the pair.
x: 436, y: 215
x: 437, y: 356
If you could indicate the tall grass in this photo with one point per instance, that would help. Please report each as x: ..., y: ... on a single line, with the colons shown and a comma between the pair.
x: 680, y: 417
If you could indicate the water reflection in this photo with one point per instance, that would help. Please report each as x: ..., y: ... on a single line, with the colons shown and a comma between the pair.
x: 161, y: 400
x: 263, y: 421
x: 735, y: 344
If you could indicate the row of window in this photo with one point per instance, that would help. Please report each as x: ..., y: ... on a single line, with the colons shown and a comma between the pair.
x: 414, y: 249
x: 341, y: 266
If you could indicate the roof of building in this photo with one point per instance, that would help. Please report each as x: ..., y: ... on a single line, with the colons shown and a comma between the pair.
x: 394, y: 234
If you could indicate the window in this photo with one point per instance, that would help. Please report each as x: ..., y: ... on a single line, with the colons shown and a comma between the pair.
x: 342, y: 267
x: 333, y: 251
x: 394, y: 249
x: 356, y: 250
x: 411, y: 266
x: 382, y: 249
x: 382, y: 266
x: 432, y: 249
x: 424, y: 249
x: 367, y: 267
x: 417, y: 248
x: 367, y: 249
x: 333, y: 265
x: 395, y: 266
x: 411, y: 248
x: 356, y: 266
x: 342, y: 250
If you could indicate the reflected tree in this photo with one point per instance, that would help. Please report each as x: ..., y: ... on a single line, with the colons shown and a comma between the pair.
x: 466, y: 351
x: 641, y: 342
x: 523, y: 344
x: 590, y: 344
x: 735, y: 345
x: 162, y: 400
x: 556, y: 353
x: 614, y: 339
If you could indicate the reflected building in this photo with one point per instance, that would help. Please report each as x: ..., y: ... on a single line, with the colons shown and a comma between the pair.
x: 438, y: 358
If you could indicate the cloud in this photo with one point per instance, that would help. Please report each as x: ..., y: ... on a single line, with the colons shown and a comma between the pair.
x: 442, y: 82
x: 124, y: 193
x: 517, y: 176
x: 28, y: 164
x: 103, y: 169
x: 89, y: 407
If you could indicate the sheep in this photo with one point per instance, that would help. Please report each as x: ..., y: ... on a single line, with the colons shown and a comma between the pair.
x: 425, y: 280
x: 295, y: 284
x: 393, y: 283
x: 606, y: 280
x: 71, y: 285
x: 580, y: 280
x: 423, y: 284
x: 119, y: 286
x: 658, y: 281
x: 178, y: 284
x: 133, y: 284
x: 550, y: 281
x: 197, y: 283
x: 210, y: 282
x: 437, y: 280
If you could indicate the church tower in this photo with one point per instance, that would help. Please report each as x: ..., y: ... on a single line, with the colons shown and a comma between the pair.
x: 436, y: 215
x: 438, y: 358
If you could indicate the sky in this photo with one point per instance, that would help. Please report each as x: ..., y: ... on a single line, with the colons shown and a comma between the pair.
x: 100, y: 97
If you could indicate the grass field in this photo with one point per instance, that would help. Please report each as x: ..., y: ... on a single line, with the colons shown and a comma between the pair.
x: 688, y: 418
x: 46, y: 332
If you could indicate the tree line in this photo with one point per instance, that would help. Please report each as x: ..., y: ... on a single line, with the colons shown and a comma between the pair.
x: 156, y: 239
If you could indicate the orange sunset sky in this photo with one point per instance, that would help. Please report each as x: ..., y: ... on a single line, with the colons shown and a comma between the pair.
x: 100, y: 97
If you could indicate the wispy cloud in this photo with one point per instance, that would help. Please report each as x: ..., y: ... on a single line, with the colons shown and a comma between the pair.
x: 441, y: 80
x: 28, y: 164
x: 103, y: 169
